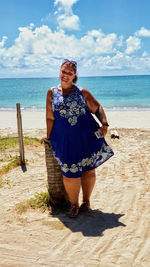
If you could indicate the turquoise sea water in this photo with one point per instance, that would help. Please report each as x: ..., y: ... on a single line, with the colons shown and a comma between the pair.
x: 116, y: 92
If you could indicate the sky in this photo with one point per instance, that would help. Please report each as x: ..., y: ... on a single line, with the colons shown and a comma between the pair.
x: 105, y: 37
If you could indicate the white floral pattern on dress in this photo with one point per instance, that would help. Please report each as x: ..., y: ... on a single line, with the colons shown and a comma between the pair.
x: 70, y: 108
x: 94, y: 161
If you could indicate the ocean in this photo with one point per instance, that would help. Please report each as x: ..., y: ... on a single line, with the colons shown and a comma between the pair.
x: 114, y: 92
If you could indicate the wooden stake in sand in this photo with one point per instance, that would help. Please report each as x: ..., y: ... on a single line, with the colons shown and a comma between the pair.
x: 20, y: 134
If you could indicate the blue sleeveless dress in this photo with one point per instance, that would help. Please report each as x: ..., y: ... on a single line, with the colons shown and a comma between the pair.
x: 74, y: 143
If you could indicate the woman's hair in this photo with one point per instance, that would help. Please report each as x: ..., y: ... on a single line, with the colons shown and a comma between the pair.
x: 73, y: 65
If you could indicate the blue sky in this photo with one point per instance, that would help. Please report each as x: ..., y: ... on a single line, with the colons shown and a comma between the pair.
x: 106, y: 37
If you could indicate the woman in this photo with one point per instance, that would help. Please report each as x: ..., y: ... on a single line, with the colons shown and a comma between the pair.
x: 71, y: 130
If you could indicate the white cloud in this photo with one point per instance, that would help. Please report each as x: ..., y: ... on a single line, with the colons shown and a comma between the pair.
x: 133, y: 44
x: 70, y: 22
x: 143, y: 32
x: 41, y: 50
x: 66, y: 19
x: 66, y: 4
x: 145, y: 54
x: 2, y: 43
x: 95, y: 42
x: 36, y: 47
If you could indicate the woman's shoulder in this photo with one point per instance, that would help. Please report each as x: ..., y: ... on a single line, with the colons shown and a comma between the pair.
x: 50, y: 93
x: 49, y: 90
x: 91, y: 101
x: 52, y: 90
x: 86, y: 93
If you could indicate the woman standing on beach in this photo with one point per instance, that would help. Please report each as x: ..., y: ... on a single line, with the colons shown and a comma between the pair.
x: 71, y: 130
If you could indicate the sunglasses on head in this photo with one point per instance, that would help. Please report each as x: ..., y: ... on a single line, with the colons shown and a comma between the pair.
x: 71, y: 61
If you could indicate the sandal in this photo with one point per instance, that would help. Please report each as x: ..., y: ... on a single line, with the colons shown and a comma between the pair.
x: 85, y: 206
x: 73, y: 212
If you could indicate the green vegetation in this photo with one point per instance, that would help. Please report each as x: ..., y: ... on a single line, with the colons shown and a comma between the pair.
x: 10, y: 142
x: 14, y: 161
x: 6, y: 168
x: 4, y: 181
x: 40, y: 201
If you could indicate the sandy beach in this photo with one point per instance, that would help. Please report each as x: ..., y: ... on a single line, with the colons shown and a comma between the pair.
x: 117, y: 119
x: 114, y: 233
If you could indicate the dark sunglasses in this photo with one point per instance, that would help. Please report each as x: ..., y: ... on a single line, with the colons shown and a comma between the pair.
x: 71, y: 61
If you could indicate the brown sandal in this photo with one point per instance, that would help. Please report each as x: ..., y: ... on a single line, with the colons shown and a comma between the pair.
x: 73, y: 212
x: 85, y: 206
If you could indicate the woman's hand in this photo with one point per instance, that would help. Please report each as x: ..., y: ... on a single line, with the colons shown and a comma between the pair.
x: 43, y: 139
x: 103, y: 130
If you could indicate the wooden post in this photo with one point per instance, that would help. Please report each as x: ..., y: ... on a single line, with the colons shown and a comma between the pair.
x: 20, y: 134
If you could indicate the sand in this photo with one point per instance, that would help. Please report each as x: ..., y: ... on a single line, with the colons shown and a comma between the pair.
x: 117, y: 119
x: 114, y: 233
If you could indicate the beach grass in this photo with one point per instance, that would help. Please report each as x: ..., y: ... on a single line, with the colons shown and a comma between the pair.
x: 39, y: 201
x: 11, y: 142
x: 15, y: 161
x: 12, y: 161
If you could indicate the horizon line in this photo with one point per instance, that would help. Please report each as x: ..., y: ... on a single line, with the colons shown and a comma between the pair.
x: 54, y: 77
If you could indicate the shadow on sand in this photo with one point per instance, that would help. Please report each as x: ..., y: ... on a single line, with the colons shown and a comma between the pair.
x: 91, y: 223
x: 23, y: 167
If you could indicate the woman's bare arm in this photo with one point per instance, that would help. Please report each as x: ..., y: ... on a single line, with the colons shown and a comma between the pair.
x: 49, y: 115
x: 49, y: 124
x: 95, y: 107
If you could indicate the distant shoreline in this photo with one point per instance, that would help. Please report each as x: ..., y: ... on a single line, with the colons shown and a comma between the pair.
x: 109, y: 109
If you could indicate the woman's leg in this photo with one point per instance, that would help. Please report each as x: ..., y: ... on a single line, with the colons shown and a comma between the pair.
x: 87, y: 182
x: 72, y: 187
